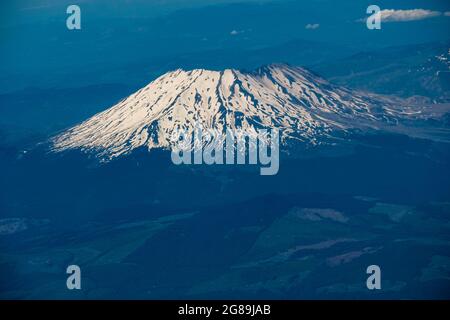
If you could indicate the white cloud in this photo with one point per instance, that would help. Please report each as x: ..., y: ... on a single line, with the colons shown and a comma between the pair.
x: 312, y: 26
x: 390, y: 15
x: 447, y: 13
x: 236, y: 32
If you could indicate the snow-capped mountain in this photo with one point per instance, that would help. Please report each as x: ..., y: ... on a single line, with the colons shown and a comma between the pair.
x: 300, y: 104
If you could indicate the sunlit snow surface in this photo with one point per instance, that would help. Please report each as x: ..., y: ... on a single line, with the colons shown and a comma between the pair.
x: 302, y: 105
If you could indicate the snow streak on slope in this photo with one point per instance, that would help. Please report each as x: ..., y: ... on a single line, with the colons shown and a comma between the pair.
x: 300, y: 104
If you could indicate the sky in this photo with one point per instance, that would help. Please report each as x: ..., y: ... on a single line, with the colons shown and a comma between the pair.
x: 126, y: 37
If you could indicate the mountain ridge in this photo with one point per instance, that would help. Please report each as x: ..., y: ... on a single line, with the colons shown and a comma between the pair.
x: 303, y: 106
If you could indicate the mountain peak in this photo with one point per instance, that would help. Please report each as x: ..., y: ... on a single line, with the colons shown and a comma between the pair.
x: 295, y: 101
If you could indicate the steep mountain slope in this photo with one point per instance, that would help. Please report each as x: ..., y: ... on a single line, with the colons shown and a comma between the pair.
x: 300, y: 104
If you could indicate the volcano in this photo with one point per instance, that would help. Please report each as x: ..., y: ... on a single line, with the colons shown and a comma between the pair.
x: 303, y: 106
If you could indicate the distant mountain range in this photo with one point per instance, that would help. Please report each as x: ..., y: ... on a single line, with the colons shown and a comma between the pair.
x: 414, y: 71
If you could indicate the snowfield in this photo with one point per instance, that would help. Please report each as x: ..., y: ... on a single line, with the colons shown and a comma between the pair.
x: 300, y: 104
